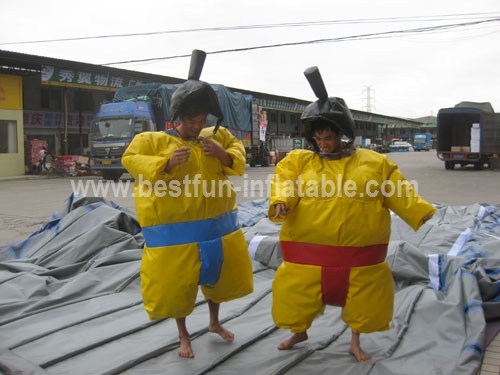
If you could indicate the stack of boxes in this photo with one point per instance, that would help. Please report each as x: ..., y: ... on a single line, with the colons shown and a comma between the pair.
x: 36, y: 147
x: 68, y: 163
x: 475, y: 141
x: 475, y: 138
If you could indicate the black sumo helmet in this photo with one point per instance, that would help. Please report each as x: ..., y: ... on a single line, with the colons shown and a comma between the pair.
x: 196, y: 92
x: 331, y: 109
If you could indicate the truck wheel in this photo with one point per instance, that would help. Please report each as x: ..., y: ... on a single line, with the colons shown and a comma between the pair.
x: 449, y: 165
x: 111, y: 175
x: 479, y: 166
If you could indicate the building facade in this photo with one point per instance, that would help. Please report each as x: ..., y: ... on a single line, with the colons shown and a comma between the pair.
x: 11, y: 126
x: 51, y: 102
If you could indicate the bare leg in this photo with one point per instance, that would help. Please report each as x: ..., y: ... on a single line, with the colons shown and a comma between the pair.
x: 294, y: 339
x: 214, y: 324
x: 356, y: 350
x: 185, y: 349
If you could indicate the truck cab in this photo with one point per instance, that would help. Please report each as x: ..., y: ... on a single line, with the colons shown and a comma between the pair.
x: 111, y: 132
x: 422, y: 142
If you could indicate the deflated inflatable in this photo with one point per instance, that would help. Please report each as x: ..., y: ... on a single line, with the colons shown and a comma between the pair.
x: 71, y: 302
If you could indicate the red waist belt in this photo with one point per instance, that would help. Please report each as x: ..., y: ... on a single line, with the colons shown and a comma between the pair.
x: 336, y: 263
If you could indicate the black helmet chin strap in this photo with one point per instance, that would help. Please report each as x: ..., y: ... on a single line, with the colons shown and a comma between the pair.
x: 347, y: 150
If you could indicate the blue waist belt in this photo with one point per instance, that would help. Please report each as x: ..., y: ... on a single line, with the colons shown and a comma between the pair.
x: 207, y: 233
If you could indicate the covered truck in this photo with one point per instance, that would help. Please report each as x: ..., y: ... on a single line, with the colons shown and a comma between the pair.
x: 468, y: 133
x: 140, y: 108
x: 422, y: 142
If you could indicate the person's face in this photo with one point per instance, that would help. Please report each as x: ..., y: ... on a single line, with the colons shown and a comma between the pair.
x: 328, y: 141
x: 191, y: 126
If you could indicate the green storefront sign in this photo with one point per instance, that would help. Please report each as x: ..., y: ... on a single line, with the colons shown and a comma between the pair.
x: 297, y: 143
x: 56, y: 76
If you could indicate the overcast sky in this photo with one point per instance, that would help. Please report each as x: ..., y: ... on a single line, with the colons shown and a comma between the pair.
x: 390, y: 57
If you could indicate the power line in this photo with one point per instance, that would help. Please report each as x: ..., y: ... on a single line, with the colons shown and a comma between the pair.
x: 379, y: 35
x: 266, y: 26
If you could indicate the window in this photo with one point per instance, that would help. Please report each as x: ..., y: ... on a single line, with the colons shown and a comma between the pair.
x: 272, y: 116
x: 282, y: 118
x: 83, y: 100
x: 50, y: 98
x: 8, y: 137
x: 139, y: 127
x: 272, y: 124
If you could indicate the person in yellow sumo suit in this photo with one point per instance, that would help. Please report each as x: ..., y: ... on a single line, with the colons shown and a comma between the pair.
x: 186, y: 206
x: 336, y: 228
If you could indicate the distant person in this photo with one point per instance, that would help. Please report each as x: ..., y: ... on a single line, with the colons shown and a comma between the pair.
x: 42, y: 160
x: 190, y: 225
x: 335, y: 210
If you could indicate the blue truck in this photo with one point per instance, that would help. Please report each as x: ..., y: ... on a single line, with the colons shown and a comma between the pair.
x: 141, y: 108
x: 422, y: 142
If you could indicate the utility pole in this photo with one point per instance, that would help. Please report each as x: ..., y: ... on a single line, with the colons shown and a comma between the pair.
x: 368, y: 100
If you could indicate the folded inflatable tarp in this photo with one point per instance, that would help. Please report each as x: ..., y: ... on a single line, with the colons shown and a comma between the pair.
x: 70, y: 302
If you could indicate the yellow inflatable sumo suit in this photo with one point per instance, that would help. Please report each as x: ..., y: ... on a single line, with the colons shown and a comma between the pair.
x: 190, y: 223
x: 334, y: 240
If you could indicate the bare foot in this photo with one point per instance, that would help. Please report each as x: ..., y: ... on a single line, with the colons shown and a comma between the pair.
x: 185, y: 350
x: 360, y: 355
x: 356, y: 350
x: 222, y: 332
x: 294, y: 339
